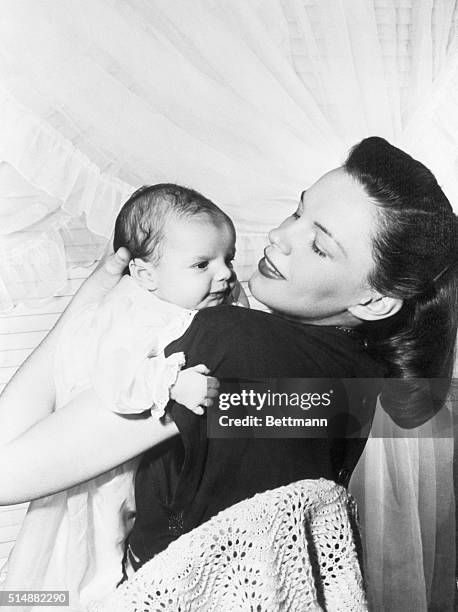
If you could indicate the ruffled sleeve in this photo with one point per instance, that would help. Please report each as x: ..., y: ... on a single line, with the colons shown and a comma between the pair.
x: 116, y: 347
x: 150, y: 385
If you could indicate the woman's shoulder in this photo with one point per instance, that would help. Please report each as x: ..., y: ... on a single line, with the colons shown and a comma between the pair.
x: 247, y: 323
x: 227, y: 314
x: 293, y: 346
x: 241, y: 321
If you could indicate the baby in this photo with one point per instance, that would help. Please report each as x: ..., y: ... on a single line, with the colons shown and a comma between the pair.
x: 182, y: 248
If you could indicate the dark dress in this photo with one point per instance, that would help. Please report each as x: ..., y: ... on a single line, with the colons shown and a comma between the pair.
x: 192, y: 477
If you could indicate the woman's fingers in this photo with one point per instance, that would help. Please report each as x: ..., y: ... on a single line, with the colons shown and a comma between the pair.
x: 117, y: 262
x: 110, y: 271
x: 100, y: 282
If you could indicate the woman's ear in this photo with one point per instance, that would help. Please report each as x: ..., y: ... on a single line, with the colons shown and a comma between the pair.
x: 376, y: 308
x: 144, y: 273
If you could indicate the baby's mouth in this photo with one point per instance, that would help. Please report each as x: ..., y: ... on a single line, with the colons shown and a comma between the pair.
x: 219, y: 295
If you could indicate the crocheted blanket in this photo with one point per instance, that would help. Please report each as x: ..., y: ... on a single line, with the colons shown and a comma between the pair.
x: 292, y: 549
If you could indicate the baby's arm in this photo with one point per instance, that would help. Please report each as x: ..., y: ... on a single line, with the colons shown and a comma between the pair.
x: 159, y: 379
x: 154, y: 383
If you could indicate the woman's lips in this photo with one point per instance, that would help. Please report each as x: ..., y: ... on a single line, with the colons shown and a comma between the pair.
x: 267, y: 268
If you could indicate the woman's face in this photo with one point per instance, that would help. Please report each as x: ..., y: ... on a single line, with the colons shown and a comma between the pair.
x: 319, y: 259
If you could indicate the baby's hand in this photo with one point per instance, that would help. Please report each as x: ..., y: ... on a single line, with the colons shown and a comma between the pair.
x: 195, y: 389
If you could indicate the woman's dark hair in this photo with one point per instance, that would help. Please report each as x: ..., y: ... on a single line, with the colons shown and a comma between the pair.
x: 416, y: 255
x: 140, y: 224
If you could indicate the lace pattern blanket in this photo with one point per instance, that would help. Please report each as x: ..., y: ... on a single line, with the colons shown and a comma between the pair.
x: 292, y: 548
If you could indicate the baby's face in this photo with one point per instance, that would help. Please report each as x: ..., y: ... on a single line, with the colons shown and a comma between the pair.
x: 195, y: 267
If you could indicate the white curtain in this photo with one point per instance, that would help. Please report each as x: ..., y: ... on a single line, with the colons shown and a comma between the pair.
x: 248, y: 101
x: 404, y: 486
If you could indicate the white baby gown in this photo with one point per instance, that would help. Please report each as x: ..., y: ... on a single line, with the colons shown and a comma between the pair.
x: 74, y: 540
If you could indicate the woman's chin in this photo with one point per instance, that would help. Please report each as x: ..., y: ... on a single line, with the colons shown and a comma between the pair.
x: 259, y: 290
x: 253, y: 283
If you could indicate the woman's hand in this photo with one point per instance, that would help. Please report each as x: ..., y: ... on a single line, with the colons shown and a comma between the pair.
x: 106, y: 276
x: 30, y: 394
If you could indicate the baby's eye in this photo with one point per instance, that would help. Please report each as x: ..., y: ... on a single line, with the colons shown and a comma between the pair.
x: 296, y: 215
x: 202, y: 265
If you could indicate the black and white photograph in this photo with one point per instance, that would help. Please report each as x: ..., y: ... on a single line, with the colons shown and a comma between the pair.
x: 228, y: 305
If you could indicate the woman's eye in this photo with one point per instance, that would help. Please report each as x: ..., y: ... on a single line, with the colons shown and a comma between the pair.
x: 317, y: 250
x: 202, y: 265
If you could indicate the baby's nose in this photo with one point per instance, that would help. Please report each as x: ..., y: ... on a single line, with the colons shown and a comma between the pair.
x: 224, y: 272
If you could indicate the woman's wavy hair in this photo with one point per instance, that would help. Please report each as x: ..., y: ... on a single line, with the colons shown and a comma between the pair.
x: 416, y: 255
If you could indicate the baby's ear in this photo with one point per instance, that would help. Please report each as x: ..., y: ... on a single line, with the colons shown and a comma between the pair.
x: 144, y: 273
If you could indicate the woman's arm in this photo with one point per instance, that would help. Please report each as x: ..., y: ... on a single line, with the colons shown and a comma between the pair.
x: 30, y: 395
x: 42, y: 452
x: 78, y: 442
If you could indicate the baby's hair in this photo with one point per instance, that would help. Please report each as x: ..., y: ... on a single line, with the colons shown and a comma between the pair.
x: 140, y: 225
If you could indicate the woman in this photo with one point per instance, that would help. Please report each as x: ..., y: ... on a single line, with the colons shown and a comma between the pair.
x: 363, y: 278
x: 371, y: 247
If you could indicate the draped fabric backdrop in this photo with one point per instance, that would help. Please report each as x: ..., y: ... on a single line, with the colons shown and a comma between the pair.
x: 248, y: 101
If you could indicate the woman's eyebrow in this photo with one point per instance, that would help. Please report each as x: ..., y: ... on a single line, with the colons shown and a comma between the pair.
x: 328, y: 233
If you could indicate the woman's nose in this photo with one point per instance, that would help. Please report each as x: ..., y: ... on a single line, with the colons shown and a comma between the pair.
x: 278, y: 237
